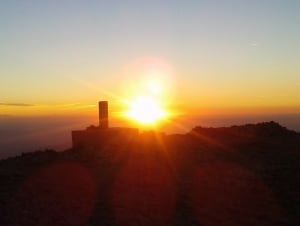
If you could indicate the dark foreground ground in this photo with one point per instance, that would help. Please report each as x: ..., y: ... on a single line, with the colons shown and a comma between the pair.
x: 240, y: 175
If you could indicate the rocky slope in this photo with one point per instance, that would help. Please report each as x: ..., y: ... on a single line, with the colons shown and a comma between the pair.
x: 239, y: 175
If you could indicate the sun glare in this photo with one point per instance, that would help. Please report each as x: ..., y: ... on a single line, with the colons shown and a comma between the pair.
x: 148, y: 92
x: 146, y: 111
x: 154, y: 87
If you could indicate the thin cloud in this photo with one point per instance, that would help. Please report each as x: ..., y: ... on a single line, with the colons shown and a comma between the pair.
x: 5, y: 116
x: 17, y: 104
x: 68, y: 105
x: 254, y: 44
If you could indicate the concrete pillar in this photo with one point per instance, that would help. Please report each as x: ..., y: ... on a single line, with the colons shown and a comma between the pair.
x: 103, y: 114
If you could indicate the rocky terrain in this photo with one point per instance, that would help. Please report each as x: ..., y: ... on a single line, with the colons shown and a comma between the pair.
x: 239, y: 175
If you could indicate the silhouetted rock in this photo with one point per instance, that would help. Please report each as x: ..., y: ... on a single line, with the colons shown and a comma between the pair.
x: 239, y: 175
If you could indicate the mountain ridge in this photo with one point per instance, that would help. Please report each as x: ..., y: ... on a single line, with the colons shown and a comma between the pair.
x: 263, y: 157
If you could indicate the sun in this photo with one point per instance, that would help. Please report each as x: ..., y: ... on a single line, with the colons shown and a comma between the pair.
x: 146, y: 111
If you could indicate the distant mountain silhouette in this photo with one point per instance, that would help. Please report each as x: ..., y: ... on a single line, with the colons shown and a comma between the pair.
x: 266, y: 131
x: 238, y: 175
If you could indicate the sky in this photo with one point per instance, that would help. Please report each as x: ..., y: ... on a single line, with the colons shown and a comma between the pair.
x: 61, y: 57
